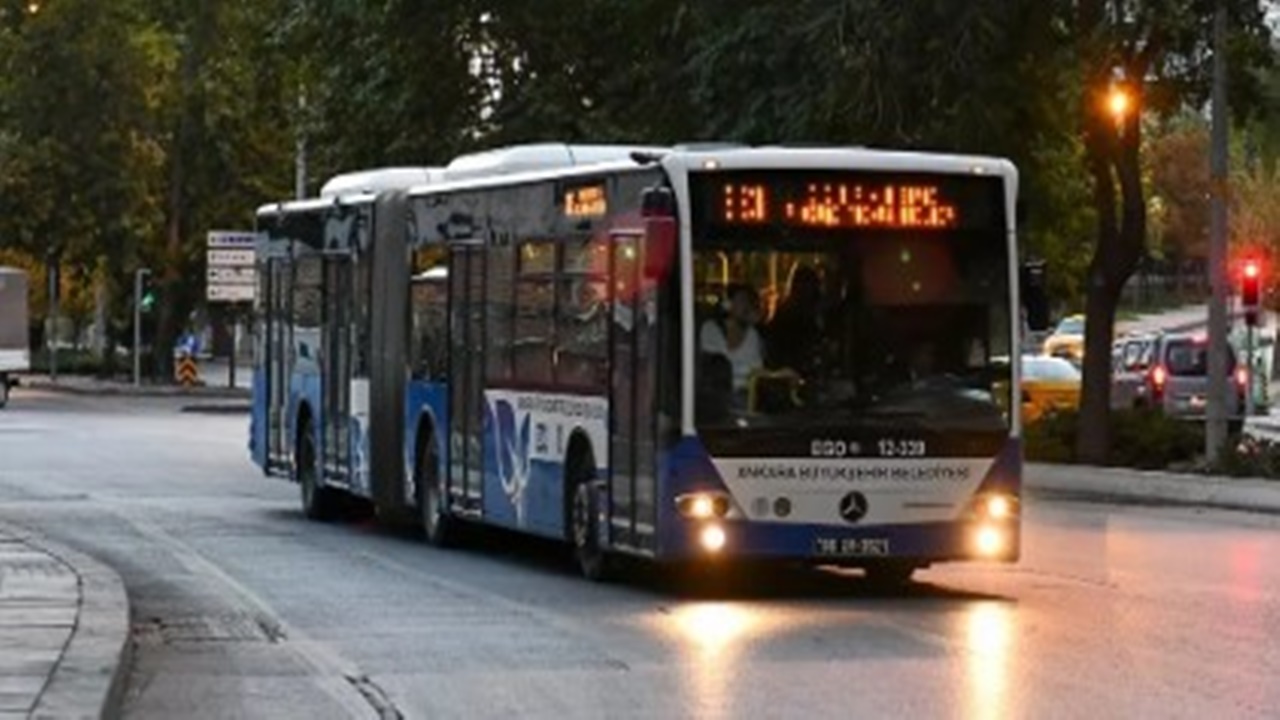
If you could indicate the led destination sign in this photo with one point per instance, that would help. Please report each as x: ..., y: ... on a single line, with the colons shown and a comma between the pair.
x: 849, y: 201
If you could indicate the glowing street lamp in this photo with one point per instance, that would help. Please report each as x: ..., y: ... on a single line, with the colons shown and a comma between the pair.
x: 1119, y: 103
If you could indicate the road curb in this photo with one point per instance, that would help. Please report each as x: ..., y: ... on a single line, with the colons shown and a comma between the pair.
x: 89, y: 679
x: 1225, y: 493
x: 143, y: 391
x: 217, y: 408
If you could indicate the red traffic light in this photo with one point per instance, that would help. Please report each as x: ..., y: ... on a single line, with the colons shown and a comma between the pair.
x: 1250, y: 283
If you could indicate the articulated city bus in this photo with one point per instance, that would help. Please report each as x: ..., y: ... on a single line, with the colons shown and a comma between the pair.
x: 696, y: 354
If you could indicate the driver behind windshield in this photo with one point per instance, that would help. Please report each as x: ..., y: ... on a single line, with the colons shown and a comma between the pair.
x: 796, y: 333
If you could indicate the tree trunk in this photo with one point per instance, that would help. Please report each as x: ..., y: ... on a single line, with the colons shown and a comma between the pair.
x: 1112, y: 156
x: 172, y: 304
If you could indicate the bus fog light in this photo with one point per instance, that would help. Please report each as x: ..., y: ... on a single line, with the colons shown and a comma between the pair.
x: 713, y: 538
x: 989, y: 541
x: 703, y: 505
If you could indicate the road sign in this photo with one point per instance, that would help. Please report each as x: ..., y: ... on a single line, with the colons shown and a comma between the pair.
x: 186, y: 372
x: 230, y: 257
x: 232, y: 276
x: 235, y: 239
x: 232, y: 293
x: 232, y: 271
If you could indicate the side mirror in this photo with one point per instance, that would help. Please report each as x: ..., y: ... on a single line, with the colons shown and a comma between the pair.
x: 658, y: 208
x: 659, y: 246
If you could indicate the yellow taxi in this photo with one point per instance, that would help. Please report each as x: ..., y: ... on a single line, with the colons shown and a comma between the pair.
x: 1067, y: 339
x: 1048, y: 383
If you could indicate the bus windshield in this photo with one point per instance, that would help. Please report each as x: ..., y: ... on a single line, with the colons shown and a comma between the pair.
x: 809, y: 326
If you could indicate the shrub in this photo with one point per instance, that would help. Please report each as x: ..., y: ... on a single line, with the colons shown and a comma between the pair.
x: 1139, y: 439
x: 1249, y: 457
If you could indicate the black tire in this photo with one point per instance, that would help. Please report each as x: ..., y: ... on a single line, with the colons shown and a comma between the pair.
x: 890, y: 575
x: 438, y: 526
x: 584, y: 529
x: 4, y: 390
x: 318, y: 501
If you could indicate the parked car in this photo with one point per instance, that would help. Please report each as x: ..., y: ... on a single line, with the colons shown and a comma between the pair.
x: 1170, y: 372
x: 1067, y: 340
x: 1048, y: 383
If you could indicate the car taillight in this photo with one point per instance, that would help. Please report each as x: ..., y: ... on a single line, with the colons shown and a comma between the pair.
x: 1159, y: 376
x: 1242, y: 377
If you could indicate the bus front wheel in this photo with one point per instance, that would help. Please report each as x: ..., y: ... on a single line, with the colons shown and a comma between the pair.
x: 318, y: 502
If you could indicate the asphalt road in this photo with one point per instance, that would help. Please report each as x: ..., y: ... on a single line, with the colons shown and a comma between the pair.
x: 243, y: 609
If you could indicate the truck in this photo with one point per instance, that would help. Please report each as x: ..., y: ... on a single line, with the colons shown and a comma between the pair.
x: 15, y: 352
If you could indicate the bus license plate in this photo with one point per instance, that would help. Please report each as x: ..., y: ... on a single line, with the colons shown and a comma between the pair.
x: 851, y: 547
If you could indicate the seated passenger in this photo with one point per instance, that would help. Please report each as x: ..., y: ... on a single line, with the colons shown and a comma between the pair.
x: 735, y: 336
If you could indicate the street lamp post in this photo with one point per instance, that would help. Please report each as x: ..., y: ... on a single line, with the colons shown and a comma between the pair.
x: 1215, y: 435
x: 139, y: 279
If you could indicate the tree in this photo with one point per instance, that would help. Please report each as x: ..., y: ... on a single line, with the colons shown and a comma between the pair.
x: 1157, y: 52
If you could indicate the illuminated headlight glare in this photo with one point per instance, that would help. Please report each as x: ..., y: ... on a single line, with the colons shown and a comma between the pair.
x: 999, y: 507
x: 703, y: 505
x: 989, y: 541
x: 713, y: 538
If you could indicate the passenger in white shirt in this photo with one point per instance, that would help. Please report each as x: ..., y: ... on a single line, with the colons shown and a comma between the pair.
x: 736, y: 336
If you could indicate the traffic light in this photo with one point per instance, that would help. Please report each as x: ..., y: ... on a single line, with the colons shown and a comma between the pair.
x: 147, y: 293
x: 1250, y: 289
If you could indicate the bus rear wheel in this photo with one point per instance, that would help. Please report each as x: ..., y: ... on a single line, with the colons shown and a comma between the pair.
x: 318, y: 501
x: 593, y: 562
x: 438, y: 526
x: 4, y: 390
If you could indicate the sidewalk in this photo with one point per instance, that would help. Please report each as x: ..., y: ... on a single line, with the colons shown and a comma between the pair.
x: 1155, y: 487
x: 64, y: 631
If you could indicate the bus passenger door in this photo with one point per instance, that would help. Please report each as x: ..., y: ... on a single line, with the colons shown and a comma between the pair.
x: 465, y: 483
x: 336, y: 371
x: 278, y: 361
x: 629, y: 519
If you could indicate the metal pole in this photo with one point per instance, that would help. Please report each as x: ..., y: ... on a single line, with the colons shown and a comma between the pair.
x: 138, y: 276
x: 1249, y: 385
x: 1216, y: 425
x: 53, y: 316
x: 300, y: 150
x: 235, y: 345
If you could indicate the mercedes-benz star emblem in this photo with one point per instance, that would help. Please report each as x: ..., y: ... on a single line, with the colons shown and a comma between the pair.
x: 853, y: 507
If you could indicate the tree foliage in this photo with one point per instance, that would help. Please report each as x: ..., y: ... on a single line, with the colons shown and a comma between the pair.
x: 129, y: 129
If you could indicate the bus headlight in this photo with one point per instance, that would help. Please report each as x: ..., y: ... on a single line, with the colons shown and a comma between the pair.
x: 712, y: 538
x: 703, y: 505
x: 990, y: 541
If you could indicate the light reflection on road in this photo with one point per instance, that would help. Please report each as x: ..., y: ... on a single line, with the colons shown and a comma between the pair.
x: 712, y: 636
x: 988, y: 632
